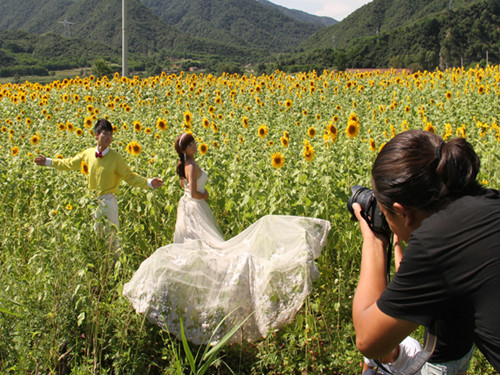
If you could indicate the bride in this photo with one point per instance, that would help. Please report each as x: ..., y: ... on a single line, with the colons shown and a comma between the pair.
x: 264, y: 272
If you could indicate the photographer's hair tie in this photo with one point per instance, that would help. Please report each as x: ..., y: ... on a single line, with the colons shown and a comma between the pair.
x: 439, y: 150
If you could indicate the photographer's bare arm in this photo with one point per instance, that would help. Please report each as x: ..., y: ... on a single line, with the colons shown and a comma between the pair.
x: 376, y: 333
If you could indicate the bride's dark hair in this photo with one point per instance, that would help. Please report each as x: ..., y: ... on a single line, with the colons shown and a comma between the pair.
x: 181, y: 143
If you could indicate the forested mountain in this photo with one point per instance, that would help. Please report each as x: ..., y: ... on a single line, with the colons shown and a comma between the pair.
x: 381, y: 16
x: 300, y: 15
x: 241, y: 23
x: 418, y: 34
x: 238, y: 27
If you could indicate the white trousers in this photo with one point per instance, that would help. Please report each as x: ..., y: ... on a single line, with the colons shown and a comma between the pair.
x: 106, y: 219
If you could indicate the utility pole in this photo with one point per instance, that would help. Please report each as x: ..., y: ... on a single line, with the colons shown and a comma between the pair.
x: 124, y: 39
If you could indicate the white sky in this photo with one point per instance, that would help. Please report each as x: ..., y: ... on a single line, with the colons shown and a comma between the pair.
x: 337, y: 9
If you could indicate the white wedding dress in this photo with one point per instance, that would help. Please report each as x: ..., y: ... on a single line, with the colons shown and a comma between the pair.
x: 266, y: 270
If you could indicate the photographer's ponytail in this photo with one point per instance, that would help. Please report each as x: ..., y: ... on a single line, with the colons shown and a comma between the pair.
x: 458, y: 168
x: 418, y: 169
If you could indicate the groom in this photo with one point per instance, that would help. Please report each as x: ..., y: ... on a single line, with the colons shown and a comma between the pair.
x: 105, y: 168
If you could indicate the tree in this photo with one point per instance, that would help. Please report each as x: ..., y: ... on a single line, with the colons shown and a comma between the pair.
x: 101, y: 68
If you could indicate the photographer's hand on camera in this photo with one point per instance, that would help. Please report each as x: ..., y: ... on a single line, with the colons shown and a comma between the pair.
x: 366, y: 231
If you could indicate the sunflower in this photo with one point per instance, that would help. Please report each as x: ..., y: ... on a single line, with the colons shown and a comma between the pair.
x: 203, y: 148
x: 277, y: 160
x: 161, y: 124
x: 263, y: 131
x: 481, y: 89
x: 308, y: 153
x: 61, y: 127
x: 216, y: 144
x: 69, y: 207
x: 35, y: 140
x: 87, y: 122
x: 448, y: 95
x: 14, y: 151
x: 352, y: 129
x: 373, y: 146
x: 288, y: 103
x: 284, y: 141
x: 332, y: 130
x: 311, y: 132
x: 84, y: 168
x: 244, y: 121
x: 206, y: 123
x: 240, y: 138
x: 28, y: 121
x: 304, y: 112
x: 134, y: 148
x: 137, y: 126
x: 188, y: 117
x: 430, y: 128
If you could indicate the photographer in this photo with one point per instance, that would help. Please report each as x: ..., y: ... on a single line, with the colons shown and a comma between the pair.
x: 450, y: 271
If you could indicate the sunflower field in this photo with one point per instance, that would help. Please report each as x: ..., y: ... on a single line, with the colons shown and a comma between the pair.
x: 271, y: 144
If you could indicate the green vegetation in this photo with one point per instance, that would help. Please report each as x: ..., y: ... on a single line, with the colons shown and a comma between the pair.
x: 403, y: 34
x: 215, y: 35
x: 61, y: 304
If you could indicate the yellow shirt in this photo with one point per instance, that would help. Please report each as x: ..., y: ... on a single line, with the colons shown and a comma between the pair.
x: 104, y: 174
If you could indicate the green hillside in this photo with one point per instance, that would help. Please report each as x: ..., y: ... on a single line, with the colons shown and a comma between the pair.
x: 241, y: 23
x: 224, y: 35
x: 422, y: 34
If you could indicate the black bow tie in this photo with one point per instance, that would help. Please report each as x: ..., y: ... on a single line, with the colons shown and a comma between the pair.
x: 98, y: 154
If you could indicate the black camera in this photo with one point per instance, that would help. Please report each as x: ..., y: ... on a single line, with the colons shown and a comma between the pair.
x: 370, y: 210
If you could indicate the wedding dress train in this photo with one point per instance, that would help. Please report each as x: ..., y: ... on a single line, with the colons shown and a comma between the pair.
x: 267, y: 270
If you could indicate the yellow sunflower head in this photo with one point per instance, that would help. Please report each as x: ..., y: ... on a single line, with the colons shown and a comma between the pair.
x: 14, y: 151
x: 311, y: 132
x: 188, y: 117
x: 161, y: 124
x: 134, y: 148
x: 263, y: 131
x: 308, y: 153
x: 84, y: 168
x: 244, y: 121
x: 352, y: 129
x: 284, y: 141
x: 373, y: 145
x: 277, y: 160
x: 203, y: 148
x: 137, y: 126
x: 35, y: 140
